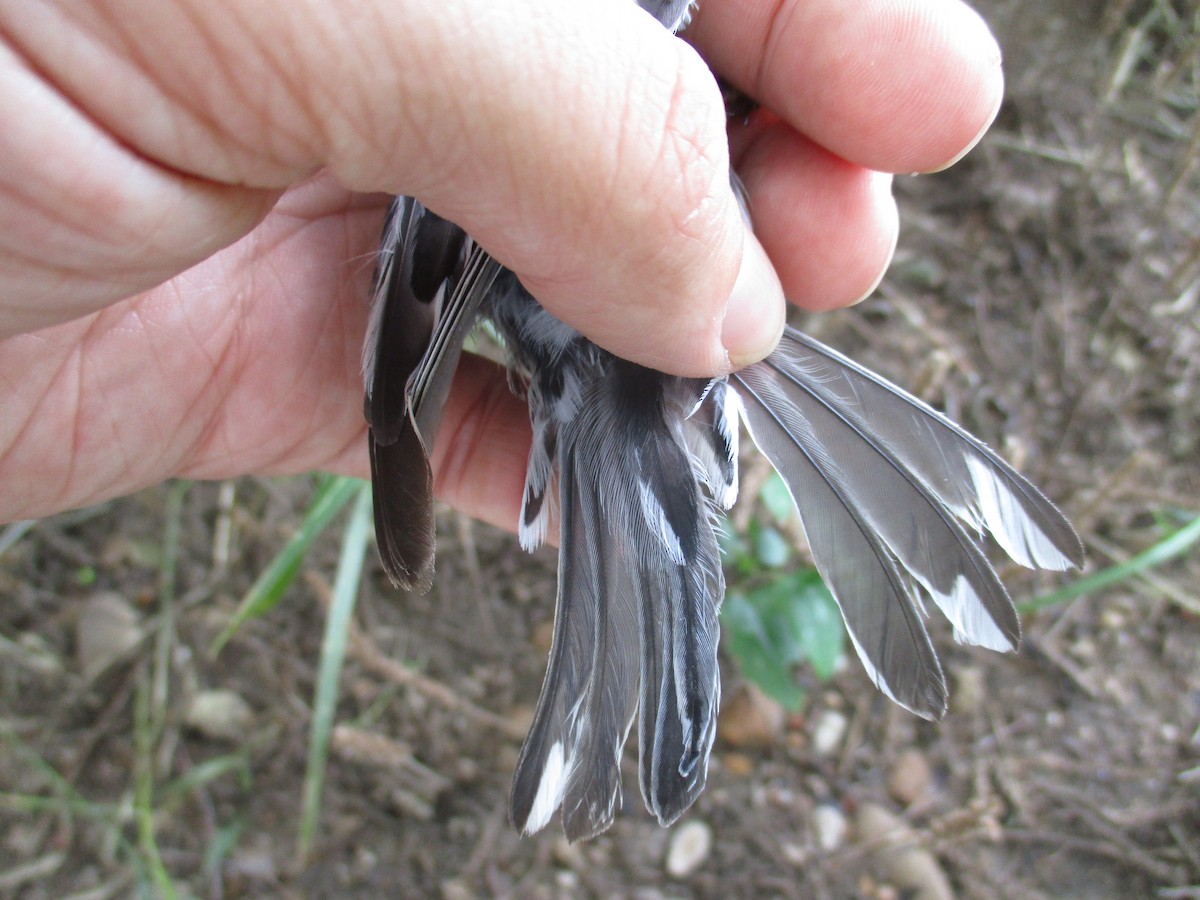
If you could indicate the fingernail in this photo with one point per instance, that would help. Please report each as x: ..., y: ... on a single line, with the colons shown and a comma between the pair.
x: 756, y: 312
x: 967, y: 149
x: 996, y: 100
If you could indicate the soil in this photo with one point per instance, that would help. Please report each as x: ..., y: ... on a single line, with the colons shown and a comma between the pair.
x: 1044, y: 293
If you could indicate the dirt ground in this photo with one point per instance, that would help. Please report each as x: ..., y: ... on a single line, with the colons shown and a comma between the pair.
x: 1044, y: 293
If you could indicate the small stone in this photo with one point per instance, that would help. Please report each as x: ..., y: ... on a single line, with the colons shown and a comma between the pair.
x: 749, y: 718
x: 902, y: 860
x: 365, y: 860
x: 968, y: 693
x: 367, y: 748
x: 255, y: 861
x: 567, y: 880
x: 220, y: 715
x: 543, y: 635
x: 1084, y: 649
x: 828, y: 732
x: 107, y: 630
x: 567, y: 854
x: 829, y: 826
x: 689, y: 848
x: 124, y: 550
x: 521, y: 717
x: 910, y: 777
x: 795, y: 854
x: 738, y: 764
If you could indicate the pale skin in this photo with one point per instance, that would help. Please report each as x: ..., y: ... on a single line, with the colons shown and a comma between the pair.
x: 190, y: 194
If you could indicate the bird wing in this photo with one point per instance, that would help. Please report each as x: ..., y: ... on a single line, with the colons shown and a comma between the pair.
x: 429, y: 284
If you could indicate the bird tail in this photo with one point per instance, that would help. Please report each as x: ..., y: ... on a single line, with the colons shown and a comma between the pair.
x: 637, y: 465
x: 893, y: 497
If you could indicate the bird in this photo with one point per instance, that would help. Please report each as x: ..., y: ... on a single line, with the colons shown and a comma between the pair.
x: 634, y: 469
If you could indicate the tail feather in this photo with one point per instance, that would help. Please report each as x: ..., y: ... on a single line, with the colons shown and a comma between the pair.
x: 976, y: 484
x: 639, y: 557
x: 918, y: 527
x: 878, y: 599
x: 679, y: 629
x: 882, y: 483
x: 549, y: 758
x: 681, y: 687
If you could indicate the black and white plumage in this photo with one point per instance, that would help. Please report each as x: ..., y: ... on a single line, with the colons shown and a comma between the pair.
x: 635, y: 467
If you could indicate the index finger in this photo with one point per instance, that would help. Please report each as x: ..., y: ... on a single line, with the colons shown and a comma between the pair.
x: 904, y: 86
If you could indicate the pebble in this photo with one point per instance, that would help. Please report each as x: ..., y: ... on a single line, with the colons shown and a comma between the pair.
x: 751, y: 719
x: 106, y: 630
x: 1113, y: 619
x: 543, y: 635
x: 902, y: 860
x: 910, y: 777
x: 737, y: 764
x: 220, y: 715
x: 689, y: 848
x: 830, y: 826
x: 567, y: 854
x: 969, y: 689
x: 828, y: 732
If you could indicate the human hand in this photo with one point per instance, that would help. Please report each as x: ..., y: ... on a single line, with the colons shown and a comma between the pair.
x: 183, y: 187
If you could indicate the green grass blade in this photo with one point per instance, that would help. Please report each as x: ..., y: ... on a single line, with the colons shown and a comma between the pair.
x: 333, y: 648
x: 1166, y: 549
x: 201, y: 774
x: 271, y: 585
x: 66, y: 798
x: 14, y: 532
x: 32, y: 804
x: 224, y: 842
x: 143, y: 791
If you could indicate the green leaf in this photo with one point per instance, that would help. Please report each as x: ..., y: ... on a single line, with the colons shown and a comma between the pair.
x: 355, y: 541
x: 770, y: 547
x: 224, y: 842
x: 777, y: 498
x: 735, y: 553
x: 819, y: 626
x: 789, y: 620
x: 751, y: 645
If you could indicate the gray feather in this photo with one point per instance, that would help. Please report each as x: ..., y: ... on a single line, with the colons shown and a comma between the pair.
x: 970, y: 479
x: 640, y: 585
x: 882, y: 482
x: 878, y: 600
x: 429, y: 285
x: 571, y: 758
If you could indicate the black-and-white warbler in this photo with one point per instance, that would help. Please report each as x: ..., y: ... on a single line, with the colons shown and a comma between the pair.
x: 635, y: 465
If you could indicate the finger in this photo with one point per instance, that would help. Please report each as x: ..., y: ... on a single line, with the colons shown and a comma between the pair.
x: 591, y: 160
x: 483, y: 445
x: 893, y: 85
x: 830, y: 225
x: 482, y: 448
